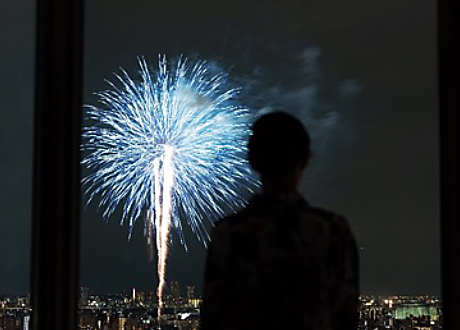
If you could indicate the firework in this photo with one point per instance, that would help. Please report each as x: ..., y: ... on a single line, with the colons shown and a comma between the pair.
x: 170, y: 148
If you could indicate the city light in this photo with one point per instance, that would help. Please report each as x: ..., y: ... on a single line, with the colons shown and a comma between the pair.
x: 181, y: 311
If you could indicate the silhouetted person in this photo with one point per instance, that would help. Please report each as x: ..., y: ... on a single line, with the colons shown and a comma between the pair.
x: 280, y: 263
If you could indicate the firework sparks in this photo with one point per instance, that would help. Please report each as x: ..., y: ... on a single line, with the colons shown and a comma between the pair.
x: 172, y: 146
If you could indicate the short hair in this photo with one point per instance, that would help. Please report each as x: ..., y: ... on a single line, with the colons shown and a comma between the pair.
x: 279, y: 142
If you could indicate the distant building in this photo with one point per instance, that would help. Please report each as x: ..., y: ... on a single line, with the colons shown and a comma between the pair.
x: 26, y: 321
x: 141, y: 297
x: 87, y: 320
x: 190, y: 292
x: 121, y: 323
x: 408, y: 310
x: 175, y: 290
x: 84, y: 292
x: 151, y: 297
x: 195, y: 303
x: 8, y: 322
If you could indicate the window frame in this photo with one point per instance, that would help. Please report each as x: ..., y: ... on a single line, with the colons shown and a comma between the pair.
x: 449, y: 147
x: 56, y: 174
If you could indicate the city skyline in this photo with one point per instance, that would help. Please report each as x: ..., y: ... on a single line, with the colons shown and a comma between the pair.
x: 138, y: 311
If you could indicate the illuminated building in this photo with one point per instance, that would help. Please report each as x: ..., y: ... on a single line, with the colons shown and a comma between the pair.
x: 407, y: 310
x: 25, y: 325
x: 121, y: 323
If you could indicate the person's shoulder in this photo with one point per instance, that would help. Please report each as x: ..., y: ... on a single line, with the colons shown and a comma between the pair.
x: 321, y: 213
x: 229, y: 221
x: 337, y: 222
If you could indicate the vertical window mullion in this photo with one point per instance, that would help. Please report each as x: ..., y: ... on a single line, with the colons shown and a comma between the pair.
x: 56, y: 181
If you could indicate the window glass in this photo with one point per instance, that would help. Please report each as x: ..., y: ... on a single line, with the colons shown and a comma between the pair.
x: 17, y: 21
x: 362, y: 77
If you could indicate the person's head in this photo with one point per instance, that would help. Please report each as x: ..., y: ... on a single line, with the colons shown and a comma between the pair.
x: 279, y: 147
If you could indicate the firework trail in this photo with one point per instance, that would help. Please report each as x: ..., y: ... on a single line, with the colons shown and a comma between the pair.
x: 172, y: 147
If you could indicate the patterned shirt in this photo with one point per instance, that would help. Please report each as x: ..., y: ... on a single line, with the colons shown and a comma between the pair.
x: 281, y: 264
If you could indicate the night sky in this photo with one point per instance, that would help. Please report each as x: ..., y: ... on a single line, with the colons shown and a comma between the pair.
x: 360, y: 75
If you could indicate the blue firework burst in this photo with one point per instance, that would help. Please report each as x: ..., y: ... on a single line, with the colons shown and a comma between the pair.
x: 172, y: 142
